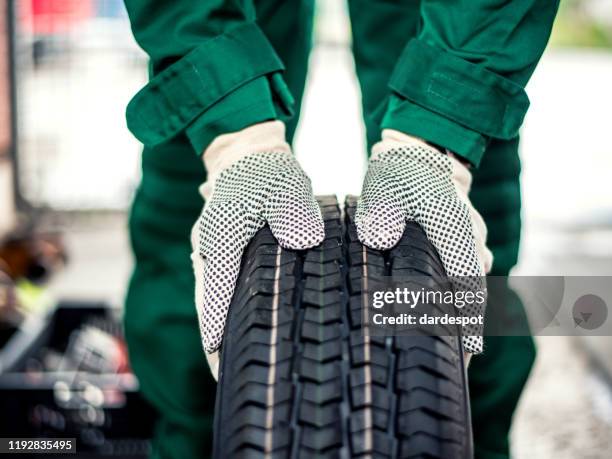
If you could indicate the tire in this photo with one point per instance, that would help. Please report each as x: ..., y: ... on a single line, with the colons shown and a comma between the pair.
x: 299, y: 380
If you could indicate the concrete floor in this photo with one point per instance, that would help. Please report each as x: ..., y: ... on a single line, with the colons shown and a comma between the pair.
x: 566, y: 409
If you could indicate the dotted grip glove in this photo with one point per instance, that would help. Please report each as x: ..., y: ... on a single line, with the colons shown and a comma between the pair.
x: 409, y: 180
x: 253, y: 179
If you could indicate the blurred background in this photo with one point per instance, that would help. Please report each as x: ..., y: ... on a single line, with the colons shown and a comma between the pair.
x: 69, y: 167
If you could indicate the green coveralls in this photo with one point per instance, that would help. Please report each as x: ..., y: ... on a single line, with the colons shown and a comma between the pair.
x: 449, y: 71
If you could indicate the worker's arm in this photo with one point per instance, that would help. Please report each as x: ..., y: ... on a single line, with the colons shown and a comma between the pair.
x: 461, y: 81
x: 212, y: 71
x: 216, y: 78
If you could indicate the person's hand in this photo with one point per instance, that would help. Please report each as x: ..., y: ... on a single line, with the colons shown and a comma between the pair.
x: 407, y: 179
x: 253, y: 179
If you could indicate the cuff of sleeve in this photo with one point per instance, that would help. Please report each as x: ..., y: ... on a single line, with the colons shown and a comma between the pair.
x: 429, y: 84
x: 178, y: 96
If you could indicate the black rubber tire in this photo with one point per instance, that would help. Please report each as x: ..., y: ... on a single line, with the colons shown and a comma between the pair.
x: 299, y: 380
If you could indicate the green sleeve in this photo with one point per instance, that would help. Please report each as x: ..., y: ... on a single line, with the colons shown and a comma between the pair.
x: 461, y: 81
x: 168, y: 30
x: 213, y: 71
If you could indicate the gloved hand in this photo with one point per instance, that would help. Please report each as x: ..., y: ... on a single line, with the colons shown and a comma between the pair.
x: 407, y: 179
x: 253, y: 179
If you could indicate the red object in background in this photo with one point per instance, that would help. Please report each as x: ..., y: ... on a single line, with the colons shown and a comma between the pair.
x: 51, y: 17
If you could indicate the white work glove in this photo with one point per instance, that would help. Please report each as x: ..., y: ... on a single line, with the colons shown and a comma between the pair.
x: 409, y: 180
x: 253, y: 179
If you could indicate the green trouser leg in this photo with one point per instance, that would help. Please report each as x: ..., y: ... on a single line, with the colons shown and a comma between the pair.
x: 498, y: 376
x: 160, y: 318
x: 380, y: 31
